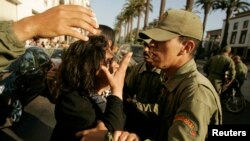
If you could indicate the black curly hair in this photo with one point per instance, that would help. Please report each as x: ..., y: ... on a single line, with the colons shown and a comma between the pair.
x: 80, y: 62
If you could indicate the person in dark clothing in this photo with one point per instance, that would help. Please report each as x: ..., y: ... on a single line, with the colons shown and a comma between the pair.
x: 84, y: 74
x: 142, y: 91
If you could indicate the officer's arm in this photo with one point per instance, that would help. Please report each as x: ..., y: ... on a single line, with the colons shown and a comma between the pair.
x: 192, y: 118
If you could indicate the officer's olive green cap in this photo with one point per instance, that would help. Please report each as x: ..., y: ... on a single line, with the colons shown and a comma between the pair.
x: 173, y: 24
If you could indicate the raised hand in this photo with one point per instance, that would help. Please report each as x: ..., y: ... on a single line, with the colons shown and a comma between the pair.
x: 116, y: 80
x: 59, y: 20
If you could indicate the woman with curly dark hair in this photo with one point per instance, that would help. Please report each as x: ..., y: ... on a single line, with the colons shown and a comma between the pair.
x: 84, y: 75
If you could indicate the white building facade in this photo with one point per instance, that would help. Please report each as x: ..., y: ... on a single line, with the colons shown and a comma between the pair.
x: 239, y: 34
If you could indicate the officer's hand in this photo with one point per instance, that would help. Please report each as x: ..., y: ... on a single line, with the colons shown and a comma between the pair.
x: 125, y: 136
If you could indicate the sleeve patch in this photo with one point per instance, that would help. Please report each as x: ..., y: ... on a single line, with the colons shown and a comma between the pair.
x: 190, y: 124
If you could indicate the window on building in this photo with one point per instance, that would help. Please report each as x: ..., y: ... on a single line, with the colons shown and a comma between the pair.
x: 235, y: 25
x: 245, y: 24
x: 243, y: 36
x: 233, y: 37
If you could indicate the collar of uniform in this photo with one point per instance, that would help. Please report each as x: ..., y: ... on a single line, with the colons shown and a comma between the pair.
x: 144, y: 68
x: 180, y: 75
x: 156, y: 70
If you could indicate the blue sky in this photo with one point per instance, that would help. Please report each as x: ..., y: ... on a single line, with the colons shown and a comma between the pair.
x: 107, y: 10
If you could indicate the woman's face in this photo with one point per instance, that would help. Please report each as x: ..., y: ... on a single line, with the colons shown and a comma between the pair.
x: 110, y: 64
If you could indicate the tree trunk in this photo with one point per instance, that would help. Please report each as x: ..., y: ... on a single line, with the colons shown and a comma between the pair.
x: 120, y: 33
x: 206, y: 11
x: 125, y: 31
x: 225, y: 34
x: 128, y: 27
x: 131, y: 27
x: 146, y: 15
x: 138, y: 25
x: 162, y: 9
x: 189, y: 5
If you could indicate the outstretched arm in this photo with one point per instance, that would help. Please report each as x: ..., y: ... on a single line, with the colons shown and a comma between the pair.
x: 59, y: 20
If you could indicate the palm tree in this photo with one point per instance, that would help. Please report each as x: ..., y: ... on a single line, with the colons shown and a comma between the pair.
x: 118, y: 27
x: 230, y: 6
x: 149, y: 8
x: 162, y: 9
x: 189, y: 5
x: 128, y: 9
x: 207, y: 6
x: 123, y: 20
x: 140, y: 8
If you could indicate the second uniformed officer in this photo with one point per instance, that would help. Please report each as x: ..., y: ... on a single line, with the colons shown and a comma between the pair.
x: 221, y: 69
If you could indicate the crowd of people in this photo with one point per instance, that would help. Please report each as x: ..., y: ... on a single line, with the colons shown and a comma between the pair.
x: 163, y: 98
x: 46, y: 43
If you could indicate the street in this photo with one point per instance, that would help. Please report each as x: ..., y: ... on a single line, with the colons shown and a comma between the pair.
x: 38, y: 120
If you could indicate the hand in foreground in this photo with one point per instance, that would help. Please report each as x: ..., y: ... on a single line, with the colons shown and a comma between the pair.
x: 125, y: 136
x: 116, y: 80
x: 95, y: 134
x: 56, y: 21
x: 99, y: 132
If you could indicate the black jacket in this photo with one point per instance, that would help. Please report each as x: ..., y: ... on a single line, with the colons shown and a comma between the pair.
x: 74, y: 113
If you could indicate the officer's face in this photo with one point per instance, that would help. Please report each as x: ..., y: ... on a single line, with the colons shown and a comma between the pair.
x: 146, y: 53
x: 165, y: 55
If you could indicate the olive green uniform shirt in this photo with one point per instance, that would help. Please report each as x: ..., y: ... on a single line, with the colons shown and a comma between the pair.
x: 143, y: 86
x: 10, y: 47
x: 188, y: 105
x: 216, y: 69
x: 241, y: 72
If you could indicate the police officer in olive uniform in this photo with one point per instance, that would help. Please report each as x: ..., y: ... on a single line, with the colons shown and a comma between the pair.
x: 141, y: 92
x: 220, y: 69
x: 10, y: 49
x: 189, y: 102
x: 241, y: 70
x: 10, y: 46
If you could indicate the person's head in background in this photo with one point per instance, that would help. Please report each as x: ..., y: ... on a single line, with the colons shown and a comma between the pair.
x: 81, y: 62
x: 109, y: 34
x: 237, y: 59
x: 226, y: 50
x: 146, y: 53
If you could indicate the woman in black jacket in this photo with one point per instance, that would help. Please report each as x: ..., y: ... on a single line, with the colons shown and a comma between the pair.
x: 84, y: 75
